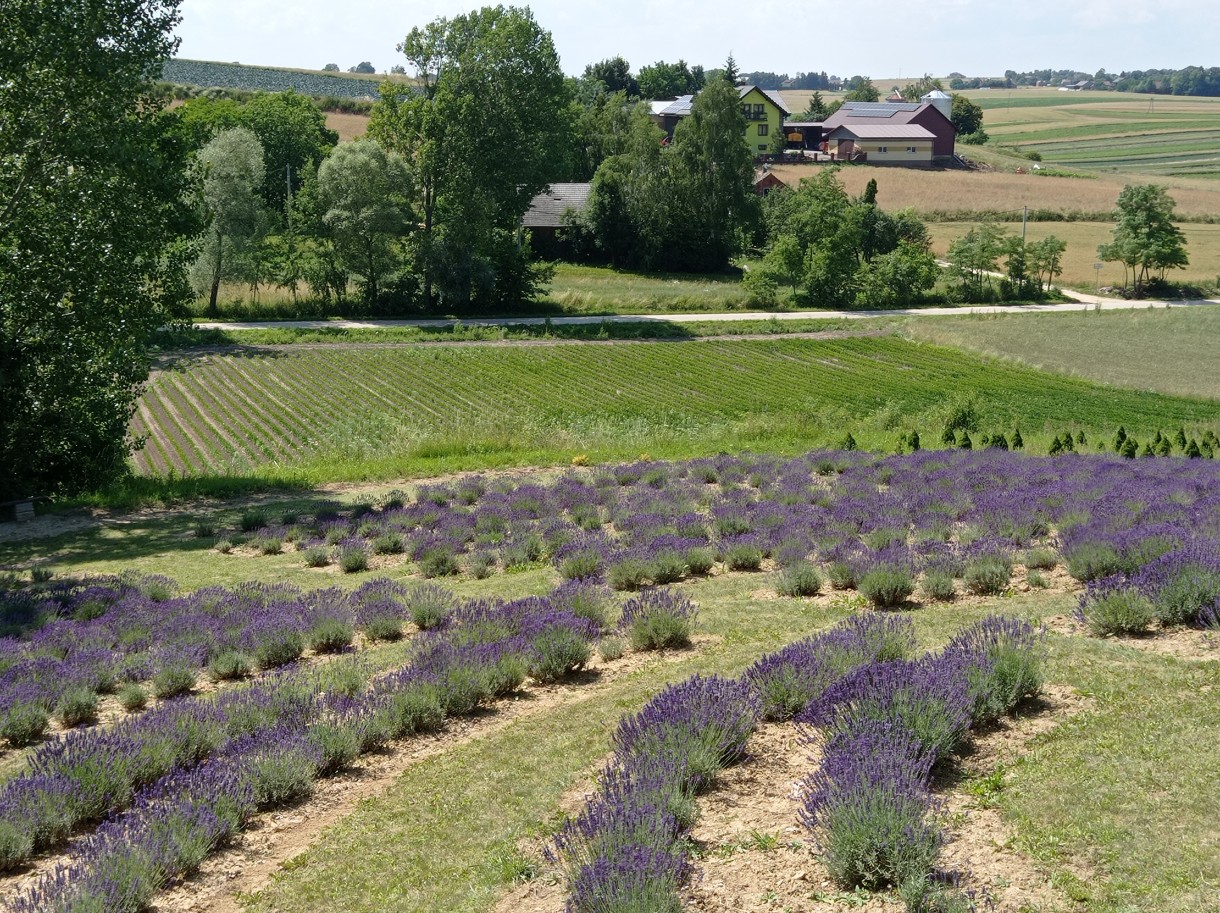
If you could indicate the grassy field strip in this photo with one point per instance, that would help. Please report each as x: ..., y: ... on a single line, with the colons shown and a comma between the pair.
x: 1139, y: 350
x: 571, y: 397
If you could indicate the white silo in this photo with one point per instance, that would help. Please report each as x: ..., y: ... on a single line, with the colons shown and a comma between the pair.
x: 940, y: 101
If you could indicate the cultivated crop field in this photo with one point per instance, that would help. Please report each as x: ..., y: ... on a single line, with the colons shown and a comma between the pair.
x: 933, y: 193
x: 376, y: 411
x: 207, y: 74
x: 916, y: 639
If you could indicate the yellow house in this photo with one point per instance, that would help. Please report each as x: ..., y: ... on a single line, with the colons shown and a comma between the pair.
x: 897, y: 144
x: 764, y: 112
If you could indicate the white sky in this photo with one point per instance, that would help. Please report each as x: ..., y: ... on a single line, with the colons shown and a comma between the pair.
x: 882, y: 40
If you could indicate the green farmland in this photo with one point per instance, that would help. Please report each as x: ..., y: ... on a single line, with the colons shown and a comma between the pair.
x: 1108, y: 131
x: 383, y: 411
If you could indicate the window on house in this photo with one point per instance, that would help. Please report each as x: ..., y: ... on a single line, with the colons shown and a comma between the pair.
x: 745, y: 111
x: 758, y: 113
x: 762, y: 147
x: 883, y: 148
x: 762, y: 129
x: 912, y: 150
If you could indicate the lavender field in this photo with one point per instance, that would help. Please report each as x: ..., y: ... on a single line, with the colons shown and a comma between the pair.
x: 882, y: 609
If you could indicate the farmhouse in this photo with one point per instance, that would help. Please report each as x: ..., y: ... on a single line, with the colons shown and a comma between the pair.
x: 549, y: 212
x: 931, y: 113
x: 764, y: 111
x: 899, y: 144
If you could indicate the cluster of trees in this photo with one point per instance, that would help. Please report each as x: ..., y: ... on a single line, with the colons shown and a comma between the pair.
x: 832, y: 250
x: 688, y: 205
x: 1194, y: 80
x: 94, y: 220
x: 1029, y: 269
x: 1187, y: 81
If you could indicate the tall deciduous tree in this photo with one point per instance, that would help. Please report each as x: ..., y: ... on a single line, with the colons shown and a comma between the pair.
x: 615, y: 74
x: 365, y: 199
x: 91, y: 205
x: 483, y: 136
x: 1145, y: 239
x: 967, y: 117
x: 231, y: 172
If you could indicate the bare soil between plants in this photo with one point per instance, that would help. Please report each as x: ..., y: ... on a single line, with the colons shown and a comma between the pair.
x: 751, y: 853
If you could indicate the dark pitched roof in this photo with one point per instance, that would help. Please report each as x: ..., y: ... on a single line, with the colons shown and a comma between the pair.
x: 774, y: 97
x: 680, y: 106
x: 548, y: 208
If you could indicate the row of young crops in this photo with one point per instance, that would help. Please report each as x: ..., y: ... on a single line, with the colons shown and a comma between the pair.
x: 148, y: 798
x: 238, y: 412
x: 206, y: 74
x: 943, y: 522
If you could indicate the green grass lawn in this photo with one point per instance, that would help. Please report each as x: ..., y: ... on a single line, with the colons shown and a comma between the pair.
x: 1168, y: 351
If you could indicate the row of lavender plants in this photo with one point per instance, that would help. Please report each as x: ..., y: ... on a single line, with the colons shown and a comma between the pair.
x: 938, y: 516
x: 881, y: 729
x: 172, y: 784
x: 71, y: 641
x: 887, y: 719
x: 624, y: 850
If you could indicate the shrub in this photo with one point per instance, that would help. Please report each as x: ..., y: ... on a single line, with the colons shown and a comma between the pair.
x: 1042, y: 559
x: 482, y: 565
x: 252, y: 520
x: 611, y: 648
x: 388, y: 544
x: 938, y: 586
x: 1093, y: 560
x: 204, y: 530
x: 77, y: 706
x: 430, y: 606
x: 353, y: 558
x: 278, y: 649
x: 229, y: 665
x: 557, y: 652
x: 579, y: 565
x: 658, y: 619
x: 1003, y: 661
x: 132, y: 697
x: 666, y: 567
x: 741, y: 556
x: 1037, y: 580
x: 439, y: 562
x: 24, y: 724
x: 1181, y: 583
x: 317, y: 556
x: 987, y: 576
x: 337, y: 746
x: 584, y: 600
x: 224, y: 546
x: 868, y: 803
x: 283, y: 775
x: 1116, y: 609
x: 172, y: 681
x: 330, y: 635
x: 801, y: 579
x: 627, y: 574
x: 269, y: 545
x: 699, y: 560
x: 887, y: 585
x: 417, y: 708
x: 383, y: 627
x: 841, y: 575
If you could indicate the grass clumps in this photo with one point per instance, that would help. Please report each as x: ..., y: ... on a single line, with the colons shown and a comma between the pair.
x: 887, y: 586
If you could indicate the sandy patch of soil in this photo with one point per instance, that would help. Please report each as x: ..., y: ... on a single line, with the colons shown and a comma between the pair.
x: 1181, y: 643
